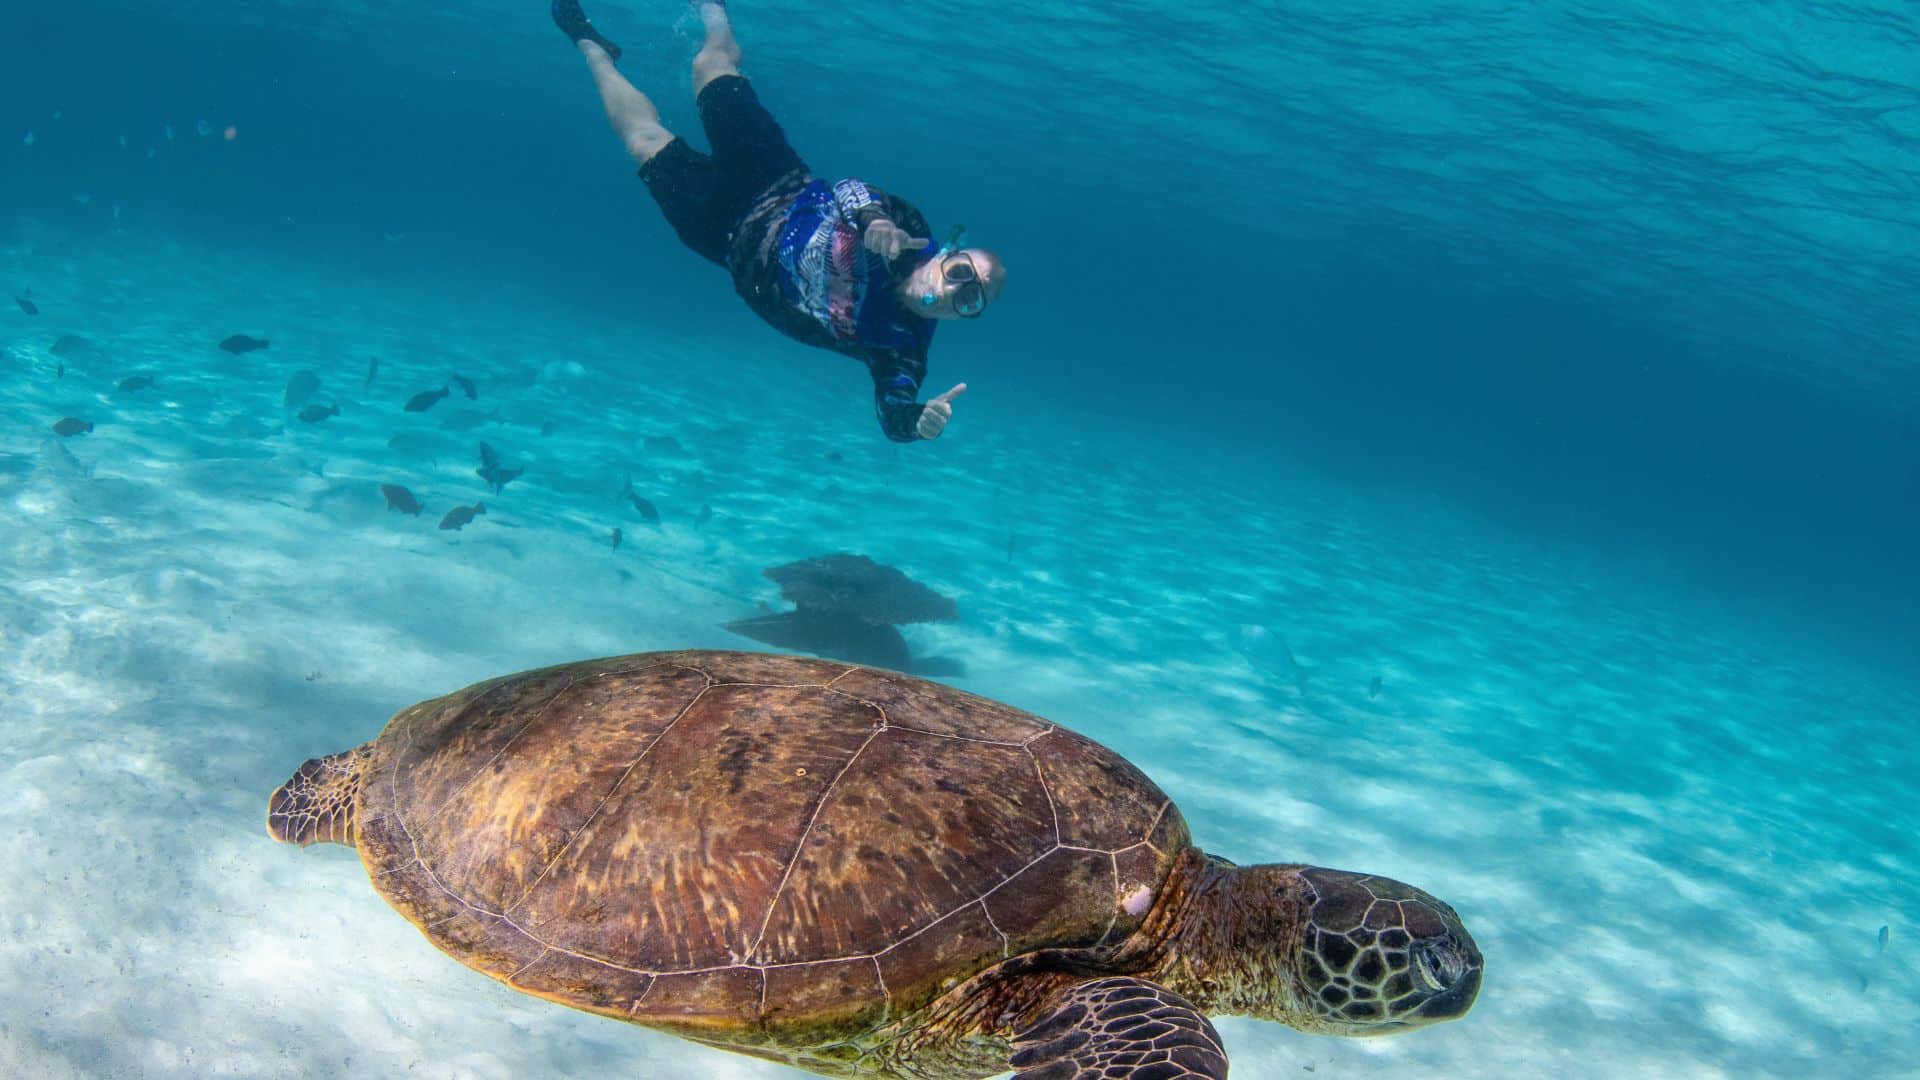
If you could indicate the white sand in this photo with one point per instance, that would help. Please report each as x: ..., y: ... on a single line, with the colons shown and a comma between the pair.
x: 1674, y: 839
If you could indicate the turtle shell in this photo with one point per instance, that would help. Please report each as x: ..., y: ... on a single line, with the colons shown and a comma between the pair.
x: 760, y: 852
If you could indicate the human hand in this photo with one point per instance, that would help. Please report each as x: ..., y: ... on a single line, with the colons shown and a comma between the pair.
x: 888, y: 240
x: 933, y: 418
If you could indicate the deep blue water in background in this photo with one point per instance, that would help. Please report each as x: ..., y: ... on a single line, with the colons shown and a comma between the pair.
x: 1639, y: 276
x: 1551, y: 368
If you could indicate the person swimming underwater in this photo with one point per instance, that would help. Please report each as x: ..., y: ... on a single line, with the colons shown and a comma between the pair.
x: 843, y: 265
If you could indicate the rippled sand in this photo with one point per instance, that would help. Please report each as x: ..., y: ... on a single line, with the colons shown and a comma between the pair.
x: 1674, y: 837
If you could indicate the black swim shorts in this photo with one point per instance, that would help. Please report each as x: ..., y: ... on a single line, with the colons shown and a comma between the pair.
x: 705, y: 195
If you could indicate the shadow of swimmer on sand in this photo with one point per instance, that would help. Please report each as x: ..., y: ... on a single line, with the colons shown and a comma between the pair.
x: 848, y: 607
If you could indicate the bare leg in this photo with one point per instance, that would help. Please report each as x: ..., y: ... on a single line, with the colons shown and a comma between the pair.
x: 721, y: 53
x: 633, y: 117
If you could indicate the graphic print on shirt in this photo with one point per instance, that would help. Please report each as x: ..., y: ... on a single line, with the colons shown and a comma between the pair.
x: 824, y: 268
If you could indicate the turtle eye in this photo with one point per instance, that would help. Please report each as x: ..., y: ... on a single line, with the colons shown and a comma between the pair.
x: 1438, y: 963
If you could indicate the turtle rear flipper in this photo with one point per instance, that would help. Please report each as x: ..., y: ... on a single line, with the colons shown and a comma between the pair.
x: 316, y: 804
x: 1112, y: 1027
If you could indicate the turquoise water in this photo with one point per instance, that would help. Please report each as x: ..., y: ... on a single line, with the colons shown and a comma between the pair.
x: 1553, y: 365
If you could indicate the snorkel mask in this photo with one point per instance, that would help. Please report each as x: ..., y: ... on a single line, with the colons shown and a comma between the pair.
x: 968, y: 302
x: 955, y: 237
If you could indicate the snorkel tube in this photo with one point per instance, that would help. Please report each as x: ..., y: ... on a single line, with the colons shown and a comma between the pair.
x: 956, y: 238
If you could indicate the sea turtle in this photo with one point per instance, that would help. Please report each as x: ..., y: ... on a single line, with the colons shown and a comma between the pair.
x: 854, y: 872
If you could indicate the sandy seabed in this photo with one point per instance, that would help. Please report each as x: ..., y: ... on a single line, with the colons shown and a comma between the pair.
x: 1674, y: 838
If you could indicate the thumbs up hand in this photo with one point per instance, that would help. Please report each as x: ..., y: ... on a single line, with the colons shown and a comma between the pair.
x: 934, y: 417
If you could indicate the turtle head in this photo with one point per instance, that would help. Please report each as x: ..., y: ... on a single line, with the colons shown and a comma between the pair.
x: 1375, y: 956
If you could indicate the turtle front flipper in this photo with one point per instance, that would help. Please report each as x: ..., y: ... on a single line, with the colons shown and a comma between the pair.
x: 1108, y: 1028
x: 316, y: 805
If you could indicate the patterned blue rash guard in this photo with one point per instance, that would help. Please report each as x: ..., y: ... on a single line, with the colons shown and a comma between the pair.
x: 799, y: 260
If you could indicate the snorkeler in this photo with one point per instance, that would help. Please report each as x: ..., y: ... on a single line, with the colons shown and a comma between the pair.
x: 844, y: 266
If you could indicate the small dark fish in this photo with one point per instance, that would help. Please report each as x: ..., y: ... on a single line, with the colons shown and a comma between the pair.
x: 460, y: 515
x: 616, y: 539
x: 646, y: 509
x: 72, y: 426
x: 300, y: 388
x: 60, y: 371
x: 70, y: 345
x: 546, y: 427
x: 373, y: 369
x: 313, y: 414
x: 425, y: 399
x: 835, y: 457
x: 664, y: 444
x: 1373, y: 688
x: 466, y: 386
x: 399, y: 498
x: 27, y: 305
x: 1885, y: 932
x: 241, y: 343
x: 134, y: 382
x: 706, y: 515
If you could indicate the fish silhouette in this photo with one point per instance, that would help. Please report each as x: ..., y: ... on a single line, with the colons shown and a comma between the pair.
x: 425, y: 399
x: 300, y: 388
x: 706, y: 515
x: 134, y: 382
x: 647, y: 511
x: 616, y: 539
x: 459, y: 516
x: 313, y: 414
x: 26, y: 304
x: 373, y: 369
x: 72, y: 426
x: 399, y: 498
x: 664, y: 444
x: 1270, y: 652
x: 466, y: 386
x: 72, y: 345
x: 239, y: 344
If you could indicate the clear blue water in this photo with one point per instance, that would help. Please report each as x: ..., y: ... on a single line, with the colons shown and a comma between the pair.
x: 1553, y: 363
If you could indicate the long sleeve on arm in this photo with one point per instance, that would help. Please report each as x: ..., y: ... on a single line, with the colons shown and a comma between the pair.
x: 896, y: 392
